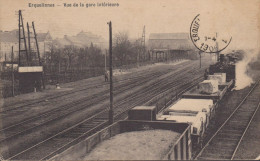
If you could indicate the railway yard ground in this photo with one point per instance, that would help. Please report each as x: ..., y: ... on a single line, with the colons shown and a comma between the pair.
x: 74, y: 86
x: 28, y: 120
x: 31, y: 118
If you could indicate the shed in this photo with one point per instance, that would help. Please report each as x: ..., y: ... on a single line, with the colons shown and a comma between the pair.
x: 30, y: 78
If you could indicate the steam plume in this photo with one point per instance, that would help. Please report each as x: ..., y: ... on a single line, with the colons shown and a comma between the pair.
x: 242, y: 69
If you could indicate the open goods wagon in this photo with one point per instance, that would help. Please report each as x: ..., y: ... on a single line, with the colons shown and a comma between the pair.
x: 194, y: 93
x: 197, y: 112
x: 179, y: 149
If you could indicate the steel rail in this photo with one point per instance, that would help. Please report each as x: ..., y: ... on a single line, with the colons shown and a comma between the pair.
x: 234, y: 153
x: 42, y: 142
x: 93, y: 85
x: 74, y: 103
x: 120, y: 114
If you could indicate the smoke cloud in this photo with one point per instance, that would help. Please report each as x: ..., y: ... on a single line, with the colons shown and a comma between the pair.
x: 243, y: 78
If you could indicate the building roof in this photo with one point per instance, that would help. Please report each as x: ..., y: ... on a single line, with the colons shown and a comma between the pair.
x: 61, y: 42
x: 8, y: 36
x: 44, y: 36
x: 12, y: 36
x: 82, y: 39
x: 170, y: 41
x: 89, y: 37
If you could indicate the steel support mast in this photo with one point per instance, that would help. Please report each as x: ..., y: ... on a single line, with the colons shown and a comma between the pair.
x: 24, y: 40
x: 38, y: 52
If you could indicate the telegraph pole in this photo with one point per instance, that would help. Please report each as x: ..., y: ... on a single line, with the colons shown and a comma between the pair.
x: 111, y: 112
x: 24, y: 39
x: 12, y: 57
x: 25, y: 46
x: 200, y: 57
x: 106, y: 60
x: 36, y: 41
x: 29, y: 44
x: 143, y: 43
x: 19, y: 37
x: 40, y: 63
x: 217, y: 54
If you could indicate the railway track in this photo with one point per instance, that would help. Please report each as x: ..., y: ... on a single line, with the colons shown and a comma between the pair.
x: 50, y: 116
x: 121, y: 86
x: 70, y: 107
x: 77, y: 132
x: 51, y: 140
x: 226, y: 140
x: 17, y: 106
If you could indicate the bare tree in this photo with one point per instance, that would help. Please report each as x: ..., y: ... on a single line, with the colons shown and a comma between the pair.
x: 122, y: 47
x: 70, y: 53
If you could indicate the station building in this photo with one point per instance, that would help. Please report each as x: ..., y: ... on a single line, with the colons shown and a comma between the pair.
x: 171, y: 45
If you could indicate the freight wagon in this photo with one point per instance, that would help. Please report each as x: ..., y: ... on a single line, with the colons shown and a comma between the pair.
x: 197, y: 112
x: 178, y: 147
x: 195, y: 119
x: 192, y: 107
x: 194, y: 93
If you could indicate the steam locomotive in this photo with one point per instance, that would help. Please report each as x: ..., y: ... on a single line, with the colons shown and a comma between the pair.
x: 226, y: 64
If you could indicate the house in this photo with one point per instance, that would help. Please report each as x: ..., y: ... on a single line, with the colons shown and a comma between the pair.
x: 81, y: 40
x: 7, y: 40
x: 11, y: 38
x: 44, y: 42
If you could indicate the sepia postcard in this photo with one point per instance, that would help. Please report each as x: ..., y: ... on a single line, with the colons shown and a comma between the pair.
x: 129, y: 79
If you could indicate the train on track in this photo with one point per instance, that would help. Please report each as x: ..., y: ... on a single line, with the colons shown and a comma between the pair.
x: 197, y: 106
x: 189, y: 116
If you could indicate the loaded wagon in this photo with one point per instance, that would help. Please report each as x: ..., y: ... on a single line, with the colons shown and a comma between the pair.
x: 194, y: 93
x: 195, y: 119
x: 134, y: 139
x: 139, y: 138
x: 193, y: 106
x: 198, y: 93
x: 197, y: 112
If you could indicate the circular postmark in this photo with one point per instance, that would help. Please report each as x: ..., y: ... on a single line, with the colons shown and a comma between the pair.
x: 207, y: 40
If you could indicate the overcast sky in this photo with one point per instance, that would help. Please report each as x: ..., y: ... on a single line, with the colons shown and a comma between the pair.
x: 235, y: 17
